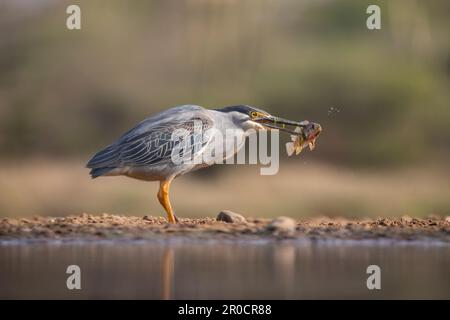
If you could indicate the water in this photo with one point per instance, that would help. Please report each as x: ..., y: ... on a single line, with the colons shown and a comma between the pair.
x: 234, y: 270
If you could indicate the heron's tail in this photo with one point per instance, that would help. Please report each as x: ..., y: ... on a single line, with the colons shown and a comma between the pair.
x: 97, y: 172
x: 103, y: 161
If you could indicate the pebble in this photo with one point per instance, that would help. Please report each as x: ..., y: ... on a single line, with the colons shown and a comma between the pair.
x: 230, y: 217
x: 407, y: 218
x: 282, y: 225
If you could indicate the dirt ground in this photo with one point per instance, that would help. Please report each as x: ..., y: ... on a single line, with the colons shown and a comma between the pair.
x: 114, y: 227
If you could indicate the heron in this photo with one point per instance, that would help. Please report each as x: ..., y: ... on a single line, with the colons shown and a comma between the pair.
x: 146, y: 151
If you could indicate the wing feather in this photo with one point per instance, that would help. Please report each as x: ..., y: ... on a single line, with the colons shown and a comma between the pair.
x: 151, y: 146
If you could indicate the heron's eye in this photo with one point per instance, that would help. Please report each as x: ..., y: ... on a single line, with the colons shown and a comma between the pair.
x: 253, y: 114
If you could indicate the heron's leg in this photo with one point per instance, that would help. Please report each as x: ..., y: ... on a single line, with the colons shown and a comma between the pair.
x: 163, y: 197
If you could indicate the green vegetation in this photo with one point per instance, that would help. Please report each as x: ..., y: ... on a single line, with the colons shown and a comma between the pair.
x: 69, y: 92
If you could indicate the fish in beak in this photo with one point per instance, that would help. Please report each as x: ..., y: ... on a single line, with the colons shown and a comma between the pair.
x: 304, y: 134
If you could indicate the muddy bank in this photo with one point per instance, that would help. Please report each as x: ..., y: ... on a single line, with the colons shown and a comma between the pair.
x: 106, y: 226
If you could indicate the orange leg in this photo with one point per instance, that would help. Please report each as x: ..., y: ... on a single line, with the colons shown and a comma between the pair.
x: 163, y: 197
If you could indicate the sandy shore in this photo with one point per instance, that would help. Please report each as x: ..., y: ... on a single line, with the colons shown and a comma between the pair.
x: 106, y: 226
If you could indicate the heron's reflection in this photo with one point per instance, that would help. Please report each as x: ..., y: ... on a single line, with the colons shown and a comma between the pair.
x: 167, y: 268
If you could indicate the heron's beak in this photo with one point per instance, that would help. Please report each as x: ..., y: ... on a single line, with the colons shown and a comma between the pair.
x: 273, y: 122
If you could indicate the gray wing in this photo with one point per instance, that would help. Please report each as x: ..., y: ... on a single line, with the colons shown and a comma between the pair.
x: 151, y: 146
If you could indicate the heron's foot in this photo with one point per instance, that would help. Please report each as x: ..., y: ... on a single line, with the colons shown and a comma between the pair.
x: 173, y: 219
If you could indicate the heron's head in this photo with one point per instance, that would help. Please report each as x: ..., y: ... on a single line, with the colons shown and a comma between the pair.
x: 253, y: 118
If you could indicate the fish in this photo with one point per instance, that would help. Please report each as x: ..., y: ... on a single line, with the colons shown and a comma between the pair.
x: 306, y: 136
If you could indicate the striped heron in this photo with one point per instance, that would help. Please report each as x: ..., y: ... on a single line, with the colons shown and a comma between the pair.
x: 146, y: 151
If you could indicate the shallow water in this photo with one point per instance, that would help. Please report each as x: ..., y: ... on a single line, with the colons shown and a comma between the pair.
x: 234, y: 270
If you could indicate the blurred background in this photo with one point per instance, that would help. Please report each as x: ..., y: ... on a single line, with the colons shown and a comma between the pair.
x: 381, y: 96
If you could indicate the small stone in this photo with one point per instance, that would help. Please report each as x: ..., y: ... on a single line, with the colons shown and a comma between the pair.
x: 282, y: 225
x: 146, y: 218
x: 406, y: 219
x: 230, y: 217
x: 447, y: 218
